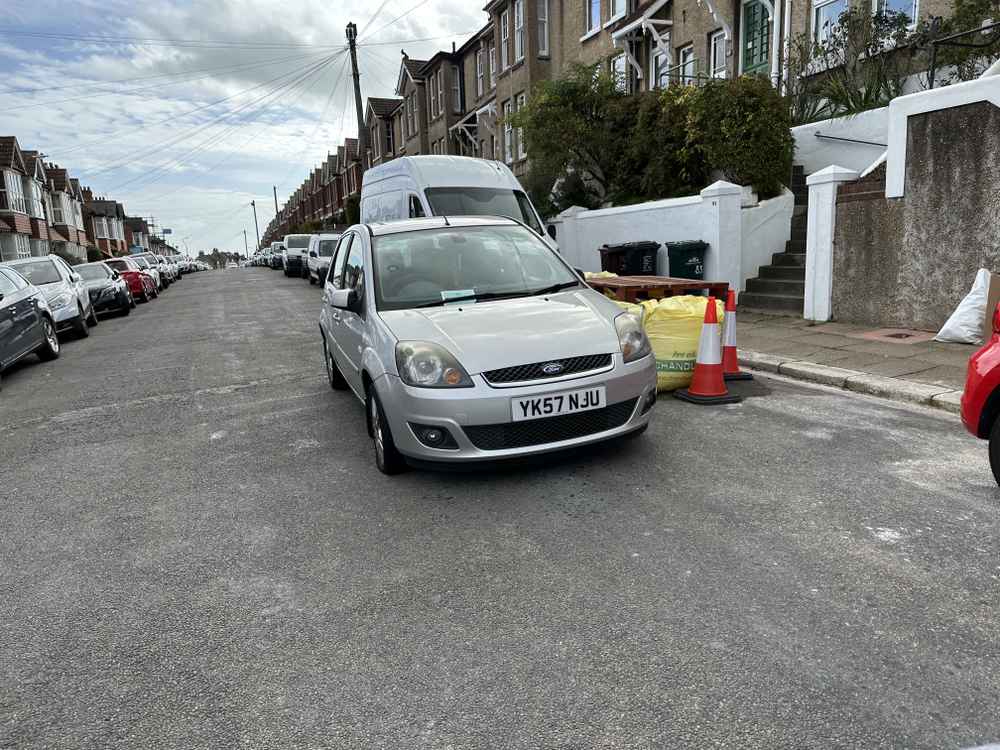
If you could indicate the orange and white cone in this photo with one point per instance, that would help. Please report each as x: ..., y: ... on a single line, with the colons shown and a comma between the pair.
x: 708, y: 385
x: 730, y: 358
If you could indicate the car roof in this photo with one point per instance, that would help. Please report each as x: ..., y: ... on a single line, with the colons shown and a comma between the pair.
x: 380, y: 228
x: 23, y: 261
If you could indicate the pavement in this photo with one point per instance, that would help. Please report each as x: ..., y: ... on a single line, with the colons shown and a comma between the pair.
x: 196, y: 551
x: 890, y: 363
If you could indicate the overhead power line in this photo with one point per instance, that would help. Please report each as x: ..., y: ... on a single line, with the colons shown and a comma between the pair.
x: 154, y: 41
x: 421, y: 3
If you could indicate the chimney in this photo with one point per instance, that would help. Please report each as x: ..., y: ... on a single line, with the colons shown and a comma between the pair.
x: 453, y: 47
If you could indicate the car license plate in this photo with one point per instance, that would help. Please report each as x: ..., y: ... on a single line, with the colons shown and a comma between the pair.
x: 553, y: 404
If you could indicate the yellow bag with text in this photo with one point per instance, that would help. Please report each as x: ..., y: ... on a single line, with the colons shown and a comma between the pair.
x: 673, y: 325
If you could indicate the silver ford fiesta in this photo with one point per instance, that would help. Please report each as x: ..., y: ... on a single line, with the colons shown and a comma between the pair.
x: 469, y: 339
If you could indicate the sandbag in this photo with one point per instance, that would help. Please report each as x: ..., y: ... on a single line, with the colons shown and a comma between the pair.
x: 965, y: 326
x: 673, y: 325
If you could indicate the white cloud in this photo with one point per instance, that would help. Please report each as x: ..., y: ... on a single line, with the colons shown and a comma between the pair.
x: 139, y: 141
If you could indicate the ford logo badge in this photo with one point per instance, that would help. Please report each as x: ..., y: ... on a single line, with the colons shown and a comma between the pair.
x: 552, y: 368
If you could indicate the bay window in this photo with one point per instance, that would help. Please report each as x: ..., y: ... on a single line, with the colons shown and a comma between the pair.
x: 15, y: 193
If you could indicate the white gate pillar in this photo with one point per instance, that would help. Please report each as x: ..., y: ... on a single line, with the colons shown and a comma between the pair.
x: 822, y: 221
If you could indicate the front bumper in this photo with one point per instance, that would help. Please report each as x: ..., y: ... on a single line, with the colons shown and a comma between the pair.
x: 64, y: 316
x: 629, y: 388
x: 293, y: 263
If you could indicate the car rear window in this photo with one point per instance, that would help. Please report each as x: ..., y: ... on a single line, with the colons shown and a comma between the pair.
x: 326, y: 248
x: 298, y: 241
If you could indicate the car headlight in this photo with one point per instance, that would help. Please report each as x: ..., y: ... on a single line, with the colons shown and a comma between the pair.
x: 61, y: 300
x: 631, y: 337
x: 427, y: 365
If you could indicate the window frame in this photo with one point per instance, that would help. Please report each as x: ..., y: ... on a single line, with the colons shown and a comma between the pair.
x: 591, y: 20
x: 717, y: 41
x: 819, y: 35
x: 508, y: 134
x: 685, y: 58
x: 504, y: 40
x: 518, y: 31
x: 764, y: 64
x: 335, y: 275
x: 878, y: 6
x: 614, y: 15
x: 620, y: 83
x: 480, y: 73
x: 655, y: 71
x: 522, y: 153
x: 543, y: 28
x: 493, y: 65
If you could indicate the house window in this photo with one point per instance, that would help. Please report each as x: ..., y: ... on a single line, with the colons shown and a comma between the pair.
x: 518, y: 30
x: 432, y: 98
x: 909, y: 8
x: 389, y: 145
x: 15, y: 194
x: 686, y: 65
x: 543, y: 28
x: 440, y: 88
x: 35, y: 200
x: 756, y: 36
x: 480, y: 81
x: 374, y: 140
x: 617, y: 9
x: 659, y: 65
x: 593, y: 15
x: 508, y: 133
x: 22, y: 245
x: 717, y: 54
x: 825, y: 17
x: 456, y: 89
x: 57, y: 209
x: 522, y: 152
x: 77, y: 210
x: 619, y: 72
x: 504, y: 40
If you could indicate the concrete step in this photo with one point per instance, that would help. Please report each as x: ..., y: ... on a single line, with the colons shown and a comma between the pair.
x: 781, y: 287
x: 789, y: 259
x: 796, y: 273
x: 795, y: 246
x: 766, y: 302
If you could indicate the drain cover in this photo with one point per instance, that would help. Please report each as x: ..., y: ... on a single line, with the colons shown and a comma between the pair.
x: 899, y: 335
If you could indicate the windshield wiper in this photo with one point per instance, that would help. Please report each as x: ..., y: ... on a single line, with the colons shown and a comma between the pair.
x: 555, y: 288
x: 476, y: 297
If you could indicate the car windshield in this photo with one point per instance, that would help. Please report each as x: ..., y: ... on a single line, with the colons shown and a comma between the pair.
x: 118, y: 265
x: 436, y: 266
x: 297, y: 241
x: 326, y: 248
x: 92, y: 273
x: 39, y: 272
x: 465, y: 201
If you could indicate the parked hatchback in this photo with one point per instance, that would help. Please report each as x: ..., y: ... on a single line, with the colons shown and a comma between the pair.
x: 981, y: 398
x: 26, y: 322
x: 140, y: 284
x: 64, y: 290
x: 109, y: 292
x: 470, y: 339
x: 321, y: 248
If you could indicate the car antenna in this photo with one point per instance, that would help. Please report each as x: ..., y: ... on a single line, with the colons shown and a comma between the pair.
x: 445, y: 221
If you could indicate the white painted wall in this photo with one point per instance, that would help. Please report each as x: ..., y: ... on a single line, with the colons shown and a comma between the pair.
x: 766, y: 228
x: 815, y: 153
x: 740, y: 240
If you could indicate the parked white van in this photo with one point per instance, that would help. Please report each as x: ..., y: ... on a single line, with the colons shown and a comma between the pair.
x: 414, y: 186
x: 321, y: 248
x: 294, y: 254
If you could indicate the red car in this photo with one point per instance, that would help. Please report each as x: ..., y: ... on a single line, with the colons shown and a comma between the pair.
x: 140, y: 283
x: 981, y: 399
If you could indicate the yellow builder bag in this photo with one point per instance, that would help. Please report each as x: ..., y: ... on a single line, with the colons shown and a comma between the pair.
x: 673, y: 325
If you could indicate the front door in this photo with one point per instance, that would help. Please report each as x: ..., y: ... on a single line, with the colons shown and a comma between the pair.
x: 351, y: 333
x: 756, y: 35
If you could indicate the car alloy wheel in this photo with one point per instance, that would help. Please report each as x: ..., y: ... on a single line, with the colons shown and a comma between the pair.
x: 387, y: 458
x: 80, y: 324
x: 50, y: 348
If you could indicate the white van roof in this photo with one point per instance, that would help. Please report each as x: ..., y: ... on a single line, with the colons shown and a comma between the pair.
x: 446, y: 171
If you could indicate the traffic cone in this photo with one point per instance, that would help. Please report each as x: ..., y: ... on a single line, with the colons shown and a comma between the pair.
x: 730, y: 359
x: 708, y: 385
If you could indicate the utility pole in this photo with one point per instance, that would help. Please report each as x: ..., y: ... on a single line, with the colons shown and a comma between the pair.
x: 275, y: 188
x: 255, y: 226
x: 245, y: 245
x: 352, y: 36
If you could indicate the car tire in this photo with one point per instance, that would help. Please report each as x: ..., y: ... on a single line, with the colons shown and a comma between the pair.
x: 387, y: 458
x: 50, y: 348
x: 92, y: 318
x: 312, y: 281
x: 126, y: 306
x: 333, y: 374
x: 995, y: 450
x: 156, y: 293
x: 131, y: 300
x: 80, y: 324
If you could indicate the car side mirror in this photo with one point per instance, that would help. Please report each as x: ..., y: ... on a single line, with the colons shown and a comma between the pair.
x: 551, y: 230
x: 344, y: 299
x: 74, y: 276
x: 313, y: 254
x: 580, y: 273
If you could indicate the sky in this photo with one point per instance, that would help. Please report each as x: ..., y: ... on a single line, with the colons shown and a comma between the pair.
x: 186, y: 110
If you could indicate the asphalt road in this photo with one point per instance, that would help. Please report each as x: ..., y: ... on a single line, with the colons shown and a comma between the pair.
x: 196, y: 551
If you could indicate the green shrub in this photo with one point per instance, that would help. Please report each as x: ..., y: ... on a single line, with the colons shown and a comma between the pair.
x: 742, y: 128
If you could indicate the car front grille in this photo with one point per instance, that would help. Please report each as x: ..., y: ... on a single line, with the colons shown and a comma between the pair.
x: 570, y: 366
x: 495, y: 437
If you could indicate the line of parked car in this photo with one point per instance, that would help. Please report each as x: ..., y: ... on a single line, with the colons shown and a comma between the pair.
x: 304, y: 256
x: 44, y: 297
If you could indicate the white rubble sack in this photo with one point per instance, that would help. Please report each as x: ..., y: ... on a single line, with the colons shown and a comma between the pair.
x: 965, y: 326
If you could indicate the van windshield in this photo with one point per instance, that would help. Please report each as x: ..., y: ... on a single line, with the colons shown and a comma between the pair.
x: 466, y: 201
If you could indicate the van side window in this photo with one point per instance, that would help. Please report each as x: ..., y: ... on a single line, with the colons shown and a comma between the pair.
x: 416, y: 209
x: 336, y: 275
